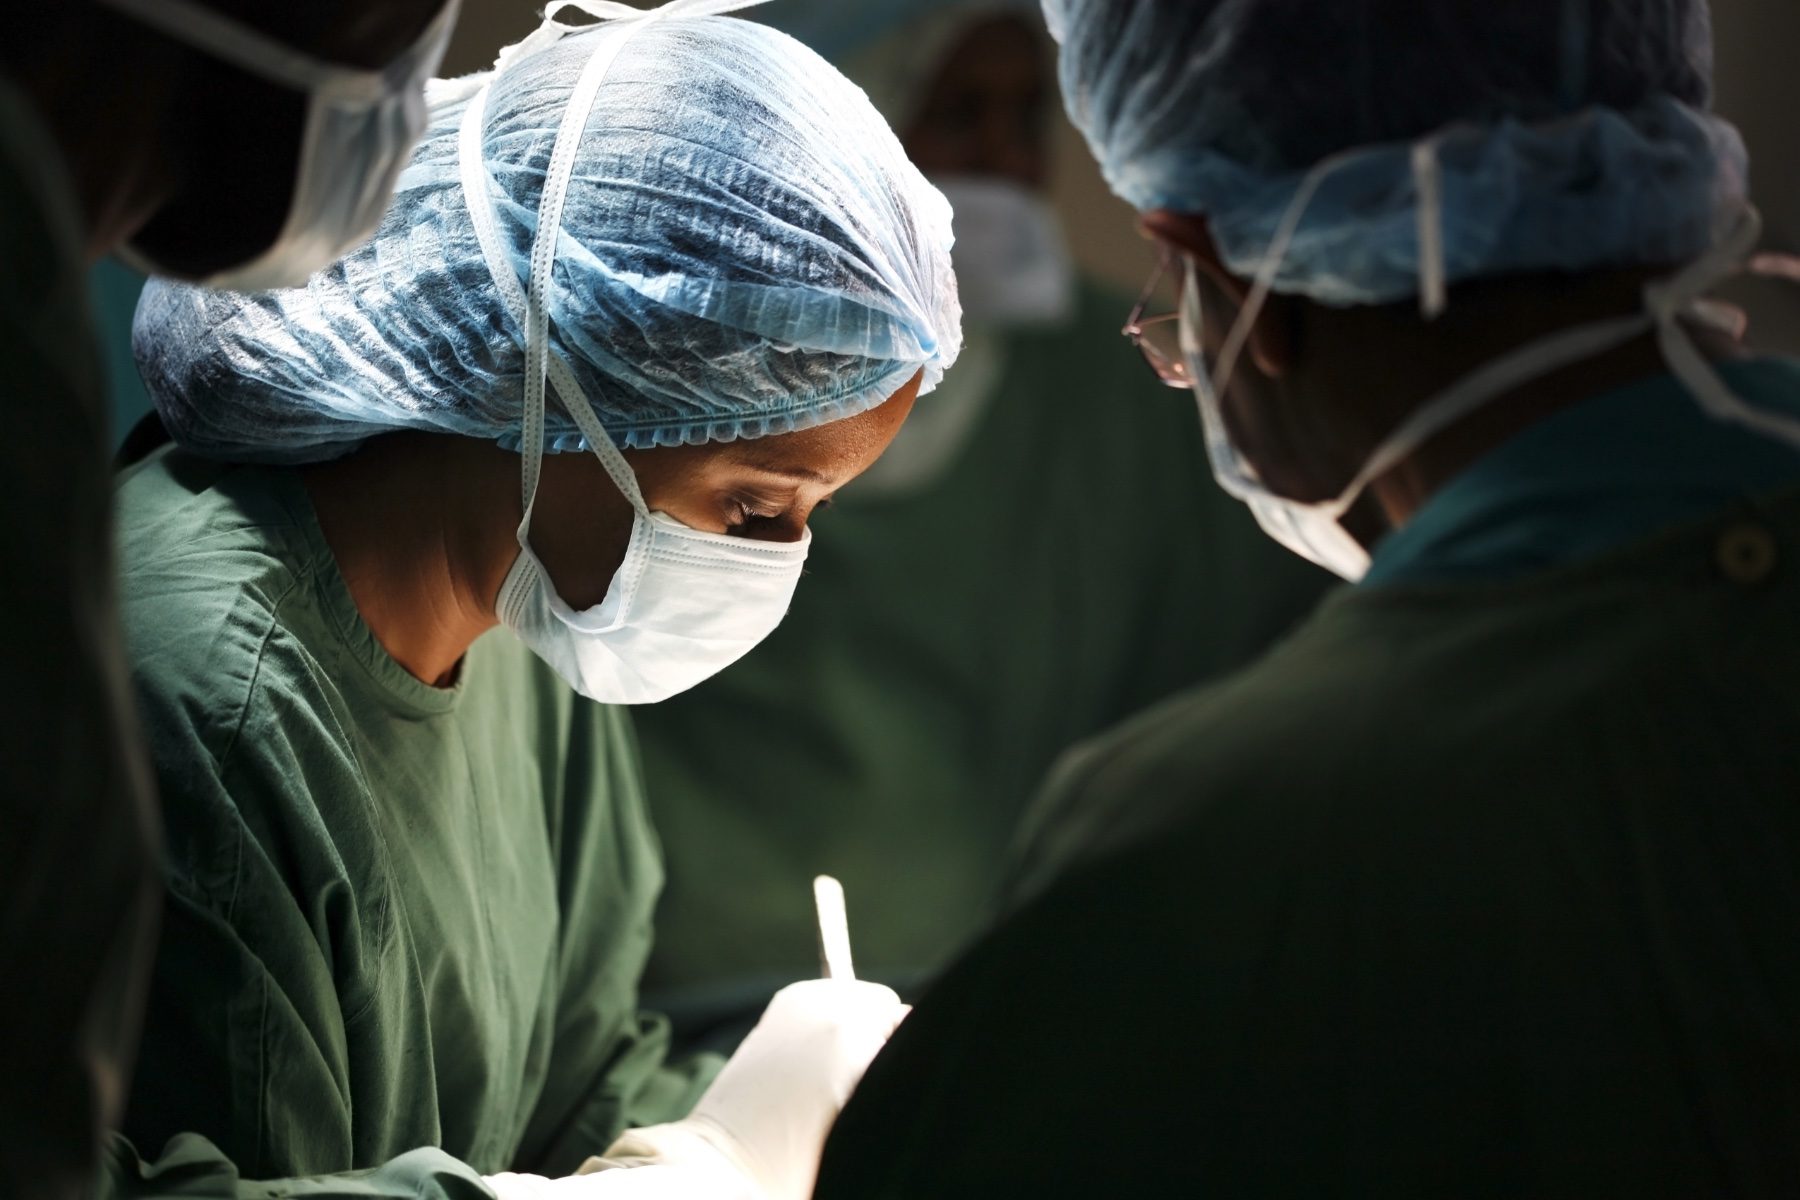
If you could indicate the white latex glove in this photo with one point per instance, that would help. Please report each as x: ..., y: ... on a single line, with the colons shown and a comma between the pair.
x: 697, y: 1180
x: 766, y: 1116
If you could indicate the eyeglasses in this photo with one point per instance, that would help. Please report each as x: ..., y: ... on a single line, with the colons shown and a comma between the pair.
x: 1158, y: 339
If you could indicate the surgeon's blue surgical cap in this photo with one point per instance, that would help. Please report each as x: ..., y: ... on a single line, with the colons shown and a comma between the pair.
x: 1398, y: 140
x: 744, y: 251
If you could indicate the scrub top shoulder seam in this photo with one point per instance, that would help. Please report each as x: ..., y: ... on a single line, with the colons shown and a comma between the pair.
x: 255, y: 678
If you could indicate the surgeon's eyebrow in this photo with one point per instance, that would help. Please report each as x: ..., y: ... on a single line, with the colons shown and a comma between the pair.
x: 791, y: 472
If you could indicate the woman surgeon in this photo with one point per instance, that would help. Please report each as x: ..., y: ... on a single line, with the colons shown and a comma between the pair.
x: 651, y: 291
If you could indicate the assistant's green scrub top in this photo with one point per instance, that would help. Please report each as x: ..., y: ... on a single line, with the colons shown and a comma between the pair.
x: 1073, y: 563
x: 1485, y: 883
x: 397, y: 916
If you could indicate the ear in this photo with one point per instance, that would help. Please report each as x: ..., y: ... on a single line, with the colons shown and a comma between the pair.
x: 1272, y: 343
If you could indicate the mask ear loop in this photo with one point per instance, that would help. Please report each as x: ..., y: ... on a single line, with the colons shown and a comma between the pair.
x: 1267, y: 270
x: 543, y: 259
x: 1434, y: 296
x: 1433, y: 291
x: 1273, y: 257
x: 1428, y: 183
x: 487, y: 234
x: 528, y: 305
x: 1233, y: 472
x: 1667, y: 304
x: 1681, y: 296
x: 549, y: 230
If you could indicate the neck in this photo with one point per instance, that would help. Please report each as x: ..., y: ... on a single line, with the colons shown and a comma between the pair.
x: 419, y: 526
x: 1417, y: 362
x: 109, y: 106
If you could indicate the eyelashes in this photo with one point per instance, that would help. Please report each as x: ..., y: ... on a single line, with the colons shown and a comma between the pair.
x: 744, y: 512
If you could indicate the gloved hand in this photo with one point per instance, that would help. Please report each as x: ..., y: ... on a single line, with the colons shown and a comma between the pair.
x: 768, y: 1112
x: 652, y: 1181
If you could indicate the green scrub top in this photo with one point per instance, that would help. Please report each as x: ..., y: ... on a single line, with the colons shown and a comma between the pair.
x: 397, y: 916
x: 1073, y: 563
x: 77, y: 819
x: 1484, y: 883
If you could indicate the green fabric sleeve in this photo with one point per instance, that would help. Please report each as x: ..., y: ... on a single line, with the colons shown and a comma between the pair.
x: 192, y: 1168
x: 606, y: 846
x: 635, y: 1087
x: 256, y: 999
x: 1073, y: 819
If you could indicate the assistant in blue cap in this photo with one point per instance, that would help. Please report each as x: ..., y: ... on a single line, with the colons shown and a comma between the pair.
x: 1483, y: 882
x: 1561, y: 137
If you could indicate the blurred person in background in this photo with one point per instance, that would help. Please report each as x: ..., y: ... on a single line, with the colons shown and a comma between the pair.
x: 1040, y: 553
x: 236, y: 141
x: 1485, y: 882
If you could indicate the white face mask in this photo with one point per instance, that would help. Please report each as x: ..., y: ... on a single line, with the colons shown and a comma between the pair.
x: 1315, y: 530
x: 684, y: 604
x: 1312, y: 531
x: 1013, y: 266
x: 360, y: 129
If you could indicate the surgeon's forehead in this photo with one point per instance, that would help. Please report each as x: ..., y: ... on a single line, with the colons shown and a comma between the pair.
x: 826, y: 453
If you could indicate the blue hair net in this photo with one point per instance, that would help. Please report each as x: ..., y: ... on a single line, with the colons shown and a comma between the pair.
x: 744, y: 251
x: 1377, y: 143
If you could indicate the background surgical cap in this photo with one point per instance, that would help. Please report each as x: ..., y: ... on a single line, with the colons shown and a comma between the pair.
x: 892, y: 49
x: 745, y: 251
x: 1574, y: 133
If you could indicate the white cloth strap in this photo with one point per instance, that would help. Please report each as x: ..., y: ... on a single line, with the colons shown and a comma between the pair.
x: 1428, y: 182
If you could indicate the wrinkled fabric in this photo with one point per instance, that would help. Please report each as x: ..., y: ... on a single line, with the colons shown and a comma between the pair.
x: 77, y: 808
x: 192, y: 1168
x: 1476, y: 886
x: 745, y: 251
x: 1563, y: 135
x: 395, y: 915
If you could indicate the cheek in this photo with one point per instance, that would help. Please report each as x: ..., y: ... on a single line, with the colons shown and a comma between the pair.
x: 709, y: 509
x: 1282, y: 438
x: 676, y: 480
x: 580, y: 528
